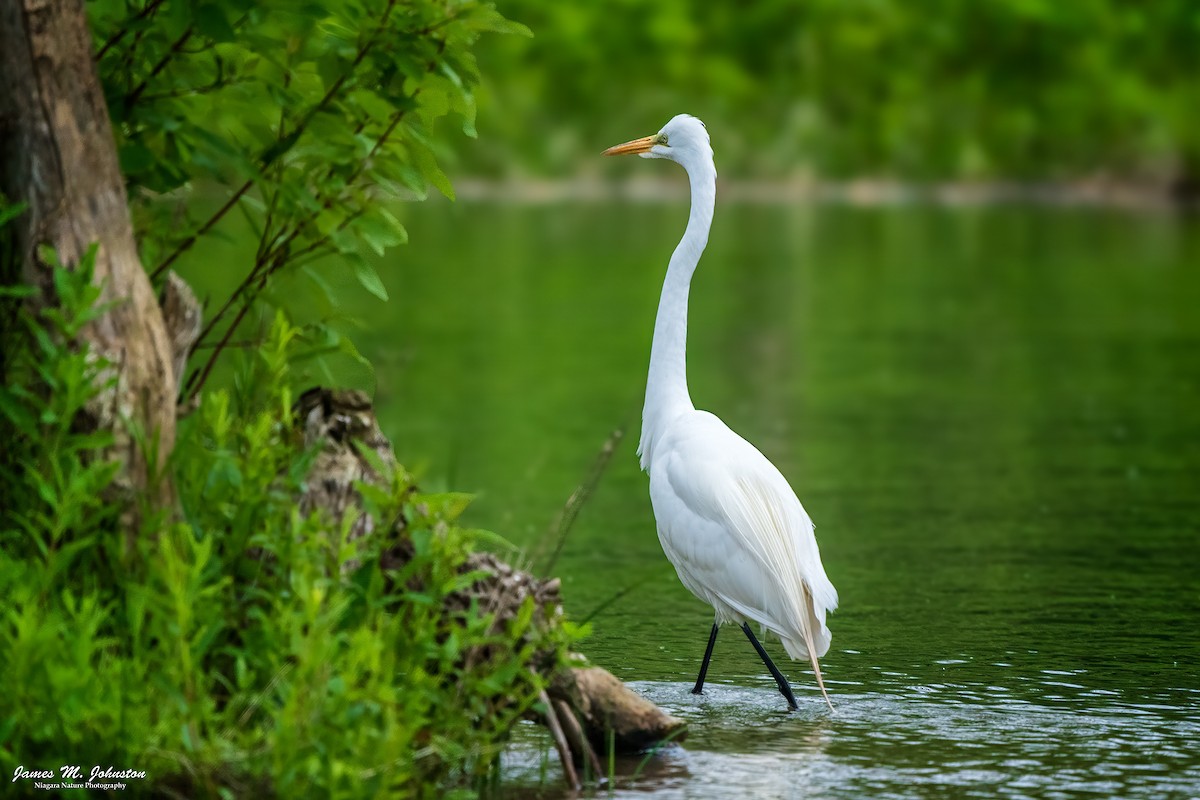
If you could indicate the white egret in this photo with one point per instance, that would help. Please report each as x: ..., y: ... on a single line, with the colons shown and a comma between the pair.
x: 727, y: 519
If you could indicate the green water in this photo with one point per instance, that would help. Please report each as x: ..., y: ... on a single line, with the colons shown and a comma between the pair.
x: 992, y: 415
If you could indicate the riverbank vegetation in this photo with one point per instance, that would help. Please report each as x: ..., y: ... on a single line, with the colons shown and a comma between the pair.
x: 173, y: 605
x: 241, y: 645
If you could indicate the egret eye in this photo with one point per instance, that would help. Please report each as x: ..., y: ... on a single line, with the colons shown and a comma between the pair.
x: 662, y: 139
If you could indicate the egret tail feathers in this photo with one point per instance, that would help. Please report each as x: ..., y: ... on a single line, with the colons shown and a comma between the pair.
x: 812, y: 656
x: 810, y: 645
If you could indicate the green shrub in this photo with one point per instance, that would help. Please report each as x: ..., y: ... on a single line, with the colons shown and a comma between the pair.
x: 240, y: 646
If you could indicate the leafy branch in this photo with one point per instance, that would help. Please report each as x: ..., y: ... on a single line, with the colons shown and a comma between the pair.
x: 281, y: 145
x: 305, y: 116
x: 270, y: 262
x: 115, y: 39
x: 132, y: 98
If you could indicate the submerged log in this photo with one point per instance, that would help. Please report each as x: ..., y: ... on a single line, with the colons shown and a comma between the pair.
x: 585, y: 707
x: 604, y: 705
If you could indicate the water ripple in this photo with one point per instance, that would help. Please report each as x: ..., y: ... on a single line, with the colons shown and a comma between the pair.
x: 931, y: 738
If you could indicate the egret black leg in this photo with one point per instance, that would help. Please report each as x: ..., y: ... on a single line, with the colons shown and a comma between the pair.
x: 712, y: 639
x: 784, y: 688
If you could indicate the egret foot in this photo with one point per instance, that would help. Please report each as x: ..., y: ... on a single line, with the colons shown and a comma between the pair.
x: 784, y: 688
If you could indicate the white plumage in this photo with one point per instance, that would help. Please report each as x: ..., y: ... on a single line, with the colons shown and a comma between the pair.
x: 727, y: 519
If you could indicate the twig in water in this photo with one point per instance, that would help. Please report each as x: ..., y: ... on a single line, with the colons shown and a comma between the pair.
x: 654, y: 751
x: 575, y: 732
x: 612, y: 598
x: 560, y: 742
x: 566, y: 518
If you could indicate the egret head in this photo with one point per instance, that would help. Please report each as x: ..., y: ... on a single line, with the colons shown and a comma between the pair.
x: 684, y: 139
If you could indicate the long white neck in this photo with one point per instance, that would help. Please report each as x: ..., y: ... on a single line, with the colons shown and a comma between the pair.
x: 666, y: 387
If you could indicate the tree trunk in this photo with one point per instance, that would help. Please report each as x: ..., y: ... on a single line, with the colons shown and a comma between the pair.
x: 58, y: 156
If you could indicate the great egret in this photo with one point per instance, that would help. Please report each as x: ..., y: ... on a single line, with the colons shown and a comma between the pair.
x: 727, y: 519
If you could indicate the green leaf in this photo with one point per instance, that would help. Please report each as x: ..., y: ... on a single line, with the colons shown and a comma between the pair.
x: 279, y: 147
x: 347, y: 346
x: 435, y: 100
x: 211, y: 22
x: 487, y: 18
x: 381, y: 230
x: 10, y: 212
x: 135, y: 158
x: 313, y: 275
x: 18, y: 413
x: 369, y: 279
x: 468, y: 108
x: 432, y: 171
x: 446, y: 505
x: 481, y: 536
x: 378, y: 108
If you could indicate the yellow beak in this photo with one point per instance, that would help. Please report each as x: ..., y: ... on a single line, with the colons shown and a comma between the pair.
x: 641, y: 145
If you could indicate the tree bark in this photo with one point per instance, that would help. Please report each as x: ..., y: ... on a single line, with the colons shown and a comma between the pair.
x: 58, y: 156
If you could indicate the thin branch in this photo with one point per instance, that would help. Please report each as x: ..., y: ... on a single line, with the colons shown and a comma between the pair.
x: 127, y: 57
x: 310, y: 254
x: 178, y: 47
x: 186, y: 244
x: 194, y: 90
x: 297, y: 256
x: 570, y: 512
x: 613, y: 598
x: 337, y: 85
x: 577, y: 738
x: 245, y: 343
x: 269, y: 220
x: 197, y: 379
x: 256, y: 274
x: 112, y: 41
x: 328, y: 202
x: 560, y: 742
x: 132, y: 98
x: 246, y: 293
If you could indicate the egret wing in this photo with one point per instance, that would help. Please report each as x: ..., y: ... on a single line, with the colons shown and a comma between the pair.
x: 738, y: 535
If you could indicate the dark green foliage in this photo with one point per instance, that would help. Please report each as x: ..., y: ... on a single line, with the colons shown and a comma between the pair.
x: 50, y: 491
x: 938, y: 89
x: 227, y: 654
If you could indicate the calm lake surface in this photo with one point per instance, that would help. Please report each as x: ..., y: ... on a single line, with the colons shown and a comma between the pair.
x: 992, y: 415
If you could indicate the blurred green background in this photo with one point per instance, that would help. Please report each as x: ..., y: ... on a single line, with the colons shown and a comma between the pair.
x: 942, y: 89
